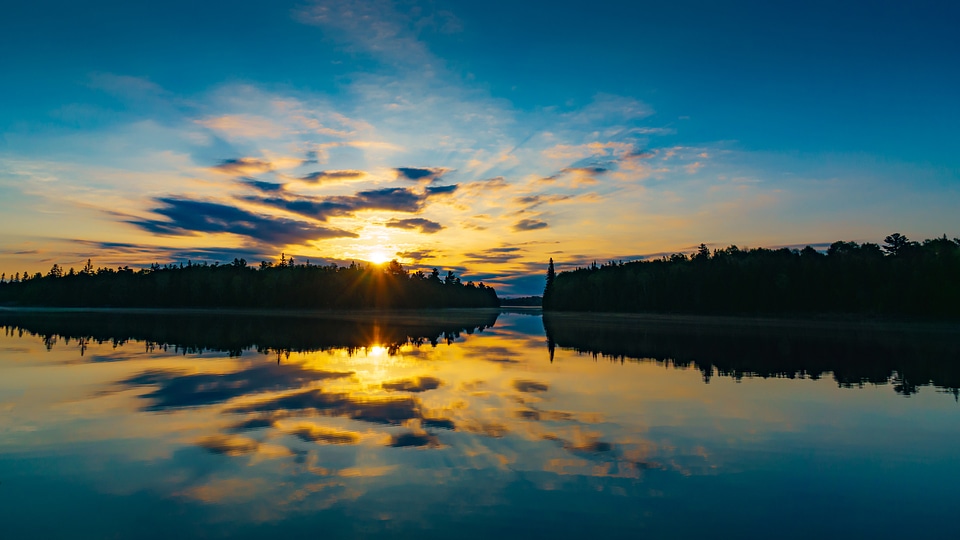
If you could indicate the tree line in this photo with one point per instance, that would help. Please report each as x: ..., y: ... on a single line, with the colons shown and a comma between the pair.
x: 285, y: 285
x: 900, y: 277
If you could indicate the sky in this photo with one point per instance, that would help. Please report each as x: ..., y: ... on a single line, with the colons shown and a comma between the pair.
x: 482, y: 137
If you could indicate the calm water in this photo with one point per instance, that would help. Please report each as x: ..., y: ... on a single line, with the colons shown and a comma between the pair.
x: 472, y: 424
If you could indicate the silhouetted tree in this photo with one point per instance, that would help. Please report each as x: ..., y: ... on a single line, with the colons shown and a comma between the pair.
x: 916, y: 279
x: 896, y: 244
x: 238, y: 285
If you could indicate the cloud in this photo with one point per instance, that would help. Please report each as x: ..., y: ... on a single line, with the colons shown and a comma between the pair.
x: 124, y: 85
x: 113, y: 251
x: 243, y: 166
x: 586, y: 170
x: 442, y: 190
x: 532, y: 201
x: 373, y: 27
x: 397, y: 199
x: 321, y: 177
x: 322, y: 208
x: 495, y: 255
x: 529, y: 225
x: 640, y: 154
x: 260, y: 185
x: 417, y: 255
x: 485, y: 186
x: 418, y: 174
x: 425, y: 225
x: 312, y: 207
x: 244, y: 126
x: 418, y: 384
x: 252, y: 423
x: 189, y: 217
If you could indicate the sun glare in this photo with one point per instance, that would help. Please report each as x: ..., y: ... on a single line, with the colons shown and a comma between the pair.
x: 378, y: 257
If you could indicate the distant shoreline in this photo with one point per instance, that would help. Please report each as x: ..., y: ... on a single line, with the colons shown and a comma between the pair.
x: 271, y: 312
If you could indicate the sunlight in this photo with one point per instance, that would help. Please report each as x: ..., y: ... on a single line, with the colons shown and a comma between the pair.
x: 378, y: 257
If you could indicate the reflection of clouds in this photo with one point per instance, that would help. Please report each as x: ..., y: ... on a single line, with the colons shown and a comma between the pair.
x: 227, y: 490
x: 314, y: 433
x: 177, y: 389
x: 530, y: 386
x: 417, y: 384
x: 414, y: 439
x: 376, y: 410
x: 544, y: 416
x: 229, y: 445
x: 441, y: 423
x: 488, y: 428
x: 334, y: 415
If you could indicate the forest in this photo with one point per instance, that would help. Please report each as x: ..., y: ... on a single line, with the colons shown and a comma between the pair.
x: 899, y: 278
x: 285, y: 285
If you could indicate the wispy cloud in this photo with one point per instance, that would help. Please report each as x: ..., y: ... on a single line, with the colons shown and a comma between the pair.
x: 423, y: 225
x: 374, y: 27
x: 529, y: 225
x: 417, y: 255
x: 495, y: 255
x: 323, y: 177
x: 242, y: 166
x: 395, y: 199
x: 420, y: 174
x: 263, y: 186
x: 186, y: 217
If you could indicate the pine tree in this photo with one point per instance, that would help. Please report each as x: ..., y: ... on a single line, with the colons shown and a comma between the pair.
x: 551, y: 275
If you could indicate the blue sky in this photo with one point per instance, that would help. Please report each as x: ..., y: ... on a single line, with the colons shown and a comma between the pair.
x: 484, y: 137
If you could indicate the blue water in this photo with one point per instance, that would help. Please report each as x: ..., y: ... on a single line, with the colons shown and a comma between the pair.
x: 463, y: 424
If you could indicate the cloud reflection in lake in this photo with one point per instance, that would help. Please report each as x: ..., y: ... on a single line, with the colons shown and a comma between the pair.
x: 417, y: 423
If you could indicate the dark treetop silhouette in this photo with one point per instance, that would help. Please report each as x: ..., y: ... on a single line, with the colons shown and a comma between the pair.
x: 284, y: 285
x: 899, y: 278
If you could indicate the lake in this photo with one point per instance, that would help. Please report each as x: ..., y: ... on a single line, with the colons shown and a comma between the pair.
x: 473, y: 424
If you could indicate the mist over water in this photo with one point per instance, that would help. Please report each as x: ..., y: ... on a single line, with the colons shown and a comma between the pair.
x: 472, y: 423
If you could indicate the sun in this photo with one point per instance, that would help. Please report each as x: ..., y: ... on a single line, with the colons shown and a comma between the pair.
x: 378, y: 257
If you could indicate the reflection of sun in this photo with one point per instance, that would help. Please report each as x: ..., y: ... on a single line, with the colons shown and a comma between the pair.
x: 378, y: 257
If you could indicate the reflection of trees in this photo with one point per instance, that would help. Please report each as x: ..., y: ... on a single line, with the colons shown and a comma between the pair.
x: 236, y: 332
x: 853, y: 354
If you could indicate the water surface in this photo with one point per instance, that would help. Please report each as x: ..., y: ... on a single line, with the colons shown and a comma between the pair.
x: 473, y: 423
